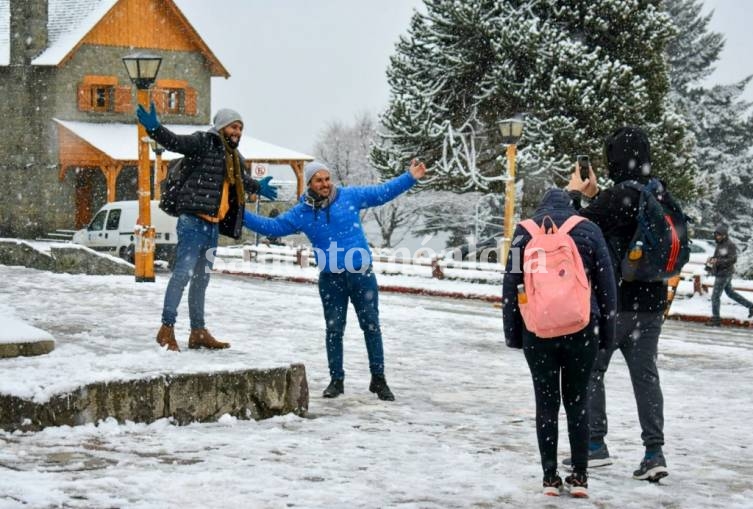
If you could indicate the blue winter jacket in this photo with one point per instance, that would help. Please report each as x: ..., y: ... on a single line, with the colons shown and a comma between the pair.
x: 336, y: 234
x: 594, y: 252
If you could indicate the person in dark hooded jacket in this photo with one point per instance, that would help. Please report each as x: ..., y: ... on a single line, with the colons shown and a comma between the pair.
x: 567, y: 358
x: 641, y: 305
x: 330, y: 217
x: 722, y: 267
x: 210, y: 203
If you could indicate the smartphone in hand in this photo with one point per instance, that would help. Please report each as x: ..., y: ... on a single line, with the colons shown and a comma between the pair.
x: 584, y: 163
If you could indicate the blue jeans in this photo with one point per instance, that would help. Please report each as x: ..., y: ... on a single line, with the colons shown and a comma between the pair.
x: 335, y: 291
x: 724, y: 284
x: 195, y: 238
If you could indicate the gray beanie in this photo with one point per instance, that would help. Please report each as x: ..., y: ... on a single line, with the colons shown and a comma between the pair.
x: 225, y: 117
x: 311, y: 168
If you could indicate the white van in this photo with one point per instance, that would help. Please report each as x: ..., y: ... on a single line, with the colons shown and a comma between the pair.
x: 112, y: 228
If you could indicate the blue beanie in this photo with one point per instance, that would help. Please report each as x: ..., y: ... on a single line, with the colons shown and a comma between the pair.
x: 311, y: 168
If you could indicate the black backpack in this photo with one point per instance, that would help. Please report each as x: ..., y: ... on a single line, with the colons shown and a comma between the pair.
x: 660, y: 246
x: 170, y: 187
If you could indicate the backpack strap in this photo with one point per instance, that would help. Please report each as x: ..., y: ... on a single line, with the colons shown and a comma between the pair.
x: 571, y: 223
x: 531, y: 227
x: 632, y: 184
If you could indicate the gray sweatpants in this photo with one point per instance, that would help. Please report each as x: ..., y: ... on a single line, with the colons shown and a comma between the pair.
x: 638, y: 340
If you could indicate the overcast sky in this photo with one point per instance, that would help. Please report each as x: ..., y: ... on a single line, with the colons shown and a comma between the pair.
x: 297, y: 65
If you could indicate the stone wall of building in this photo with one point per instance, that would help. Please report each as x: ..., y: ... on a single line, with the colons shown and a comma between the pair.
x: 34, y: 200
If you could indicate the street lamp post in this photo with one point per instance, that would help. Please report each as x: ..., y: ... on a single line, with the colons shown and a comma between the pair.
x: 158, y: 171
x: 142, y: 69
x: 511, y: 130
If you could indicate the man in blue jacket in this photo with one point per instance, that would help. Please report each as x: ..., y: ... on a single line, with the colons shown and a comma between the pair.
x: 330, y: 218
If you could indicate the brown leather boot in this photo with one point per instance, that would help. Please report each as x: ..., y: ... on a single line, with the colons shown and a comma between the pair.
x: 201, y: 338
x: 166, y: 337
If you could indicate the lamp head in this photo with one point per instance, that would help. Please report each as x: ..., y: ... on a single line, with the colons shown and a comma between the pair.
x: 142, y: 68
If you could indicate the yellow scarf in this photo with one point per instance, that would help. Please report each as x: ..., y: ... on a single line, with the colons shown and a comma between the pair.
x: 233, y: 173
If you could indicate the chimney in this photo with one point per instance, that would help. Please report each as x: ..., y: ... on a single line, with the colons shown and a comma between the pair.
x: 28, y: 30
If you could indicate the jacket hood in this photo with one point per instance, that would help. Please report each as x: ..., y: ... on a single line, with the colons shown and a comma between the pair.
x: 722, y: 229
x: 555, y: 199
x: 627, y: 152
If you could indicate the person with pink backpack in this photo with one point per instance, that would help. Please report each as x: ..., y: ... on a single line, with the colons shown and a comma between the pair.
x: 559, y: 304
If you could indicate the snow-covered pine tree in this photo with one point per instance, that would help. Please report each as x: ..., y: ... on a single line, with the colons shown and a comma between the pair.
x: 577, y: 68
x: 718, y: 117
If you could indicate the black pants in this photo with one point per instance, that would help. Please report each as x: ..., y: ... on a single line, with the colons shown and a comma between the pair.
x: 638, y: 340
x: 564, y: 363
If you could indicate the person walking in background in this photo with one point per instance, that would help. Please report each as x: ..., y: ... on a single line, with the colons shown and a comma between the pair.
x: 210, y: 202
x: 641, y: 305
x: 561, y: 366
x: 722, y: 267
x: 330, y: 218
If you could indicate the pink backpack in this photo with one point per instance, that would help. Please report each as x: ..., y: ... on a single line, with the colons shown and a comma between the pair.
x: 557, y: 298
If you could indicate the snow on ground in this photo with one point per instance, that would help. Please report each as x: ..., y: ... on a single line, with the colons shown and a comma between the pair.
x: 461, y: 433
x: 14, y: 330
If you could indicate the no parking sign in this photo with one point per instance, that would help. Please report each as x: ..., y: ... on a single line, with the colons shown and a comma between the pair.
x: 259, y: 170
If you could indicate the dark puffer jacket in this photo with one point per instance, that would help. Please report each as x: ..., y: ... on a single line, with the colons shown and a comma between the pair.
x: 725, y: 253
x: 615, y: 210
x: 204, y: 165
x: 596, y: 261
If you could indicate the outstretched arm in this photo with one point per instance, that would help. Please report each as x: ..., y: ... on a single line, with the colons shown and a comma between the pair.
x: 373, y: 196
x: 182, y: 144
x: 277, y: 227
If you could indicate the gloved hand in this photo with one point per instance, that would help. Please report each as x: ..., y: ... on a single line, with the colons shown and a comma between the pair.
x: 266, y: 190
x: 148, y: 118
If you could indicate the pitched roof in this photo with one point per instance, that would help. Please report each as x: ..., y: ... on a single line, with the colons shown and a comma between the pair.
x: 118, y: 141
x: 70, y: 21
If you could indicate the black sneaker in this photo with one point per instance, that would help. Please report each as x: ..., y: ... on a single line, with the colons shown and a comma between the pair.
x: 552, y: 485
x: 334, y: 389
x: 714, y: 322
x: 653, y: 468
x: 379, y: 386
x: 598, y: 456
x: 578, y: 484
x: 750, y: 312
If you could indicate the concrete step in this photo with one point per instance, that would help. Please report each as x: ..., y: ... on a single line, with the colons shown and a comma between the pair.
x: 204, y: 397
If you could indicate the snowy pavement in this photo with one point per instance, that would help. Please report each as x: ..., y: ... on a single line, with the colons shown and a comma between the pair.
x: 461, y: 433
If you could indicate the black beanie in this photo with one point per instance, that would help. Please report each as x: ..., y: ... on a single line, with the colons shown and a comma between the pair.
x: 628, y: 154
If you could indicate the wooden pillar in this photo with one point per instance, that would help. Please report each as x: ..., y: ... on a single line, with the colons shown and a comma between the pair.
x: 111, y: 172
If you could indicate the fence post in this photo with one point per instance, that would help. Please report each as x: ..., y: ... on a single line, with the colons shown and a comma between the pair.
x: 436, y: 270
x: 697, y: 286
x: 248, y: 255
x: 301, y: 258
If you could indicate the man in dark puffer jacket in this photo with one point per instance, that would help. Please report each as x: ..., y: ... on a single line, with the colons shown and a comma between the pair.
x: 722, y: 267
x: 210, y: 202
x: 640, y: 311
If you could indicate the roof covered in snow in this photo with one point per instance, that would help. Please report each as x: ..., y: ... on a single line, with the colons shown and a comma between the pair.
x: 118, y: 141
x: 68, y: 21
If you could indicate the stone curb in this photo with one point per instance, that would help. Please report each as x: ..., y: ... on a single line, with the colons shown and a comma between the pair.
x: 198, y: 397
